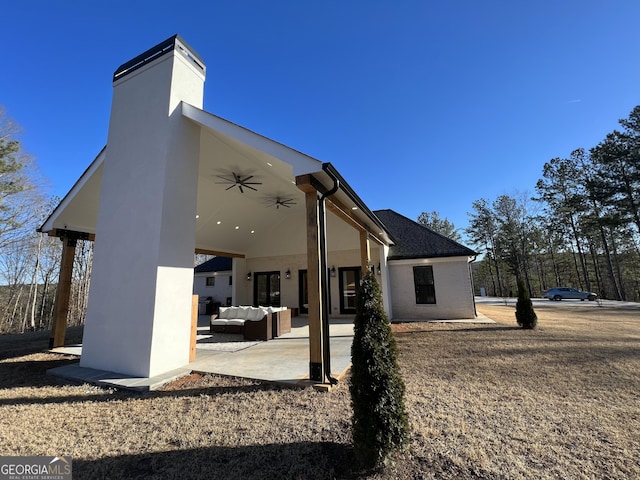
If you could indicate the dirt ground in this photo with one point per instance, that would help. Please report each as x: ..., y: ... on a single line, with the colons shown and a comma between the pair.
x: 486, y: 401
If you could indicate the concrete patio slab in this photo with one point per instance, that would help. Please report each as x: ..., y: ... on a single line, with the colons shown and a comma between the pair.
x: 284, y: 359
x: 78, y: 374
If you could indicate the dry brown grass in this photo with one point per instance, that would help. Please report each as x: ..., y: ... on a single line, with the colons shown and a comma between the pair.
x: 485, y: 401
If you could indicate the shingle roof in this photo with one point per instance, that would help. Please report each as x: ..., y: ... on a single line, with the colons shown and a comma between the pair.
x: 216, y: 264
x: 414, y: 240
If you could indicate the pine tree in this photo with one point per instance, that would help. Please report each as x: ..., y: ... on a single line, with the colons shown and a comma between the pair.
x: 525, y: 315
x: 379, y: 421
x: 439, y: 225
x: 15, y: 187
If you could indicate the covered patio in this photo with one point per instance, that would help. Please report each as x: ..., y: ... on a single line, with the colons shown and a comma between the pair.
x: 283, y: 360
x: 174, y: 179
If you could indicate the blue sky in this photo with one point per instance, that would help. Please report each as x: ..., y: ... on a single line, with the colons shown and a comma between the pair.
x: 421, y: 105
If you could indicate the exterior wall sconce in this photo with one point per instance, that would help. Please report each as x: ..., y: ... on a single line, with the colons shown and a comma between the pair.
x: 287, y: 274
x: 249, y: 276
x: 333, y: 271
x: 378, y: 269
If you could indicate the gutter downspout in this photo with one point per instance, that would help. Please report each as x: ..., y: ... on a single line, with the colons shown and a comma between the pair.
x: 473, y: 294
x: 324, y: 280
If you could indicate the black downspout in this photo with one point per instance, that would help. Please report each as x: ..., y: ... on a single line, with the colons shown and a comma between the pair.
x: 324, y: 280
x: 473, y: 289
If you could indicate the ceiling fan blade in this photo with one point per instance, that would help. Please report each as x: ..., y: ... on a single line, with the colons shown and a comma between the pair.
x: 239, y: 181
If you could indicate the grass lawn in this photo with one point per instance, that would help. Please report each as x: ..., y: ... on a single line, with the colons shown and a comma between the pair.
x: 485, y: 402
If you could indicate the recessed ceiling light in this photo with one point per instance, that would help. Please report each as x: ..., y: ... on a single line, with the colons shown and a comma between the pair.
x: 269, y: 164
x: 218, y: 222
x: 197, y: 216
x: 237, y: 227
x: 253, y: 231
x: 354, y: 208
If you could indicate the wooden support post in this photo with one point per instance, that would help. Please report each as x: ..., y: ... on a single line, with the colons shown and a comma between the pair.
x: 314, y: 288
x: 63, y: 292
x: 365, y: 252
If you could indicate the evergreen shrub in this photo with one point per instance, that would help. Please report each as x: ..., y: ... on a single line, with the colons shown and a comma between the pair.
x: 525, y: 314
x: 379, y: 423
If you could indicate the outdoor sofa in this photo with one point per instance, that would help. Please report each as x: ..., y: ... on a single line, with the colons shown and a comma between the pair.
x: 255, y: 323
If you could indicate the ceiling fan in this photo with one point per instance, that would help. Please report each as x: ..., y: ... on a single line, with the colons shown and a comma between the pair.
x: 282, y: 202
x: 236, y: 180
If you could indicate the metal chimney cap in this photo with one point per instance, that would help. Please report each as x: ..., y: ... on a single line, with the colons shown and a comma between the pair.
x: 170, y: 44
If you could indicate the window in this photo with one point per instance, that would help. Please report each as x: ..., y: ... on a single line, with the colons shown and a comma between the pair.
x: 425, y: 287
x: 211, y: 281
x: 349, y: 286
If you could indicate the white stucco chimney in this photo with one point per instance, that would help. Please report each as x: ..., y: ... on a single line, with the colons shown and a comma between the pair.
x: 139, y: 310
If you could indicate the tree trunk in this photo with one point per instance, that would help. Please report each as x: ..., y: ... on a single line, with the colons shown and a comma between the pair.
x: 583, y: 262
x: 623, y: 294
x: 493, y: 280
x: 25, y: 315
x: 575, y: 262
x: 495, y: 260
x: 596, y: 268
x: 498, y: 277
x: 554, y: 263
x: 614, y: 282
x: 43, y: 301
x: 15, y: 308
x: 629, y: 194
x: 34, y: 281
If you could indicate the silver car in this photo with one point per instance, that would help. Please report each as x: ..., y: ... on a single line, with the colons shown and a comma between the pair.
x: 561, y: 293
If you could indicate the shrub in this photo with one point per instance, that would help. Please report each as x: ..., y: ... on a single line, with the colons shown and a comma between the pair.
x: 379, y: 421
x: 525, y: 315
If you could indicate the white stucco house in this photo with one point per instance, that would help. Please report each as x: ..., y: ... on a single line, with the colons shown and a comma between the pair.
x: 175, y: 179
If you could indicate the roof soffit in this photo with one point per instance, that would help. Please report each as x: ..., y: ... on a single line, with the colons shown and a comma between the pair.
x: 78, y: 210
x: 299, y: 162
